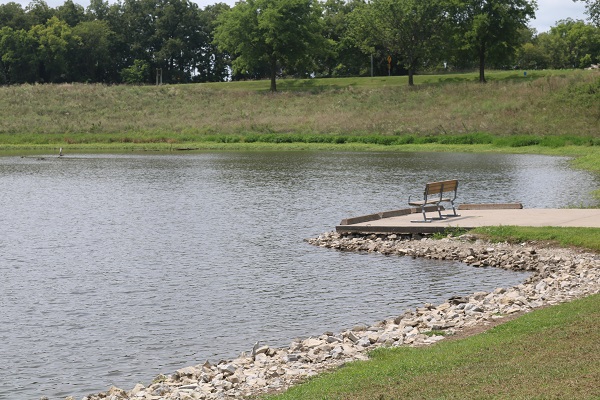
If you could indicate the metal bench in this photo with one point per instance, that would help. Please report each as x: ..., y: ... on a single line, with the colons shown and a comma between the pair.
x: 434, y: 195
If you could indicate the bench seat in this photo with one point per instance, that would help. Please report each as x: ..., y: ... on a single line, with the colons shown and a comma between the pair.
x: 432, y: 201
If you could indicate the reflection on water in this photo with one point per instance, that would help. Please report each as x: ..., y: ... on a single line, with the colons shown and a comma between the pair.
x: 115, y: 268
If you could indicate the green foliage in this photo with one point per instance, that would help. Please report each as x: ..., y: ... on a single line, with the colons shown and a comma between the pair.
x: 531, y: 56
x: 12, y: 15
x: 71, y: 13
x: 212, y: 63
x: 271, y: 35
x: 280, y: 38
x: 489, y: 30
x: 166, y: 34
x: 593, y: 10
x: 18, y: 56
x: 137, y: 73
x: 569, y: 44
x: 92, y: 62
x: 451, y: 231
x: 340, y: 56
x: 39, y: 12
x: 174, y: 35
x: 55, y: 40
x: 406, y: 28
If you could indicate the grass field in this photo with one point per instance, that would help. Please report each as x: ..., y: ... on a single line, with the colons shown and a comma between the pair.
x: 543, y: 104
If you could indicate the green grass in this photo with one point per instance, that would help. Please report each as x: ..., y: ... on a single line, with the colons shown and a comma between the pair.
x: 321, y: 84
x: 515, y: 141
x: 546, y: 108
x: 587, y: 238
x: 552, y: 353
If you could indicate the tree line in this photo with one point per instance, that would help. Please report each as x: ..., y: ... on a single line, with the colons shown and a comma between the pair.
x: 137, y: 41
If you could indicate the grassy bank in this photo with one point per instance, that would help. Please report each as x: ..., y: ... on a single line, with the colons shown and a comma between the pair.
x: 379, y: 111
x: 549, y: 353
x: 585, y: 238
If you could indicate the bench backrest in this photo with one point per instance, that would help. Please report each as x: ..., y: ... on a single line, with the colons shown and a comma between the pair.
x: 441, y: 187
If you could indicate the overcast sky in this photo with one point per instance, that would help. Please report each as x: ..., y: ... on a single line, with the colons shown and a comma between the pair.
x: 549, y: 11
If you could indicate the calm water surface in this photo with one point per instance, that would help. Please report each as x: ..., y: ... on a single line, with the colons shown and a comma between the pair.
x: 115, y: 268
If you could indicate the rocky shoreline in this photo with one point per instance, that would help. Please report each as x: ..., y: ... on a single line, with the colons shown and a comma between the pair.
x: 557, y: 275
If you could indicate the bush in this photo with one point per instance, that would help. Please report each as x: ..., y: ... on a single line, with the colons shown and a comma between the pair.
x: 136, y: 74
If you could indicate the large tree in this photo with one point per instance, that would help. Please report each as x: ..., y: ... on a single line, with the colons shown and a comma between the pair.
x: 13, y: 15
x: 18, y: 56
x: 407, y: 28
x: 570, y: 44
x: 490, y: 29
x: 71, y: 13
x: 212, y: 64
x: 342, y: 57
x: 55, y: 41
x: 178, y: 39
x: 165, y: 34
x: 275, y: 34
x: 39, y: 12
x: 94, y: 58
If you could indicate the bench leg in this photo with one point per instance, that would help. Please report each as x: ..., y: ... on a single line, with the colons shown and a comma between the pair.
x: 424, y: 216
x: 453, y: 210
x: 439, y: 218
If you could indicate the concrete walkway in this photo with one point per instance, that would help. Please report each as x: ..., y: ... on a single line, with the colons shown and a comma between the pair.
x: 473, y: 218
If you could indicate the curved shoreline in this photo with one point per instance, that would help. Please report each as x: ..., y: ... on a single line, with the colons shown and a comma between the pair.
x: 558, y: 275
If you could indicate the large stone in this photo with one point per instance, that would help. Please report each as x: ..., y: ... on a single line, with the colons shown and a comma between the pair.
x: 310, y: 343
x: 138, y: 388
x: 291, y: 357
x: 260, y: 350
x: 227, y: 369
x: 187, y: 371
x: 353, y: 337
x: 261, y: 358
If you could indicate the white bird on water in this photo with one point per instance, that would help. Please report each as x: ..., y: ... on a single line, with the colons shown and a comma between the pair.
x: 60, y: 152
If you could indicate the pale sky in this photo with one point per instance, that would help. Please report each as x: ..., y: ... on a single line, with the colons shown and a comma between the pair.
x: 549, y: 11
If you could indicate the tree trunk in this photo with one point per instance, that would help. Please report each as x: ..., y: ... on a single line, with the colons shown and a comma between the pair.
x: 482, y: 63
x: 273, y: 74
x: 410, y: 77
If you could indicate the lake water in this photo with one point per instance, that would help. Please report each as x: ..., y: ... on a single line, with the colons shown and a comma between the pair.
x: 117, y: 267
